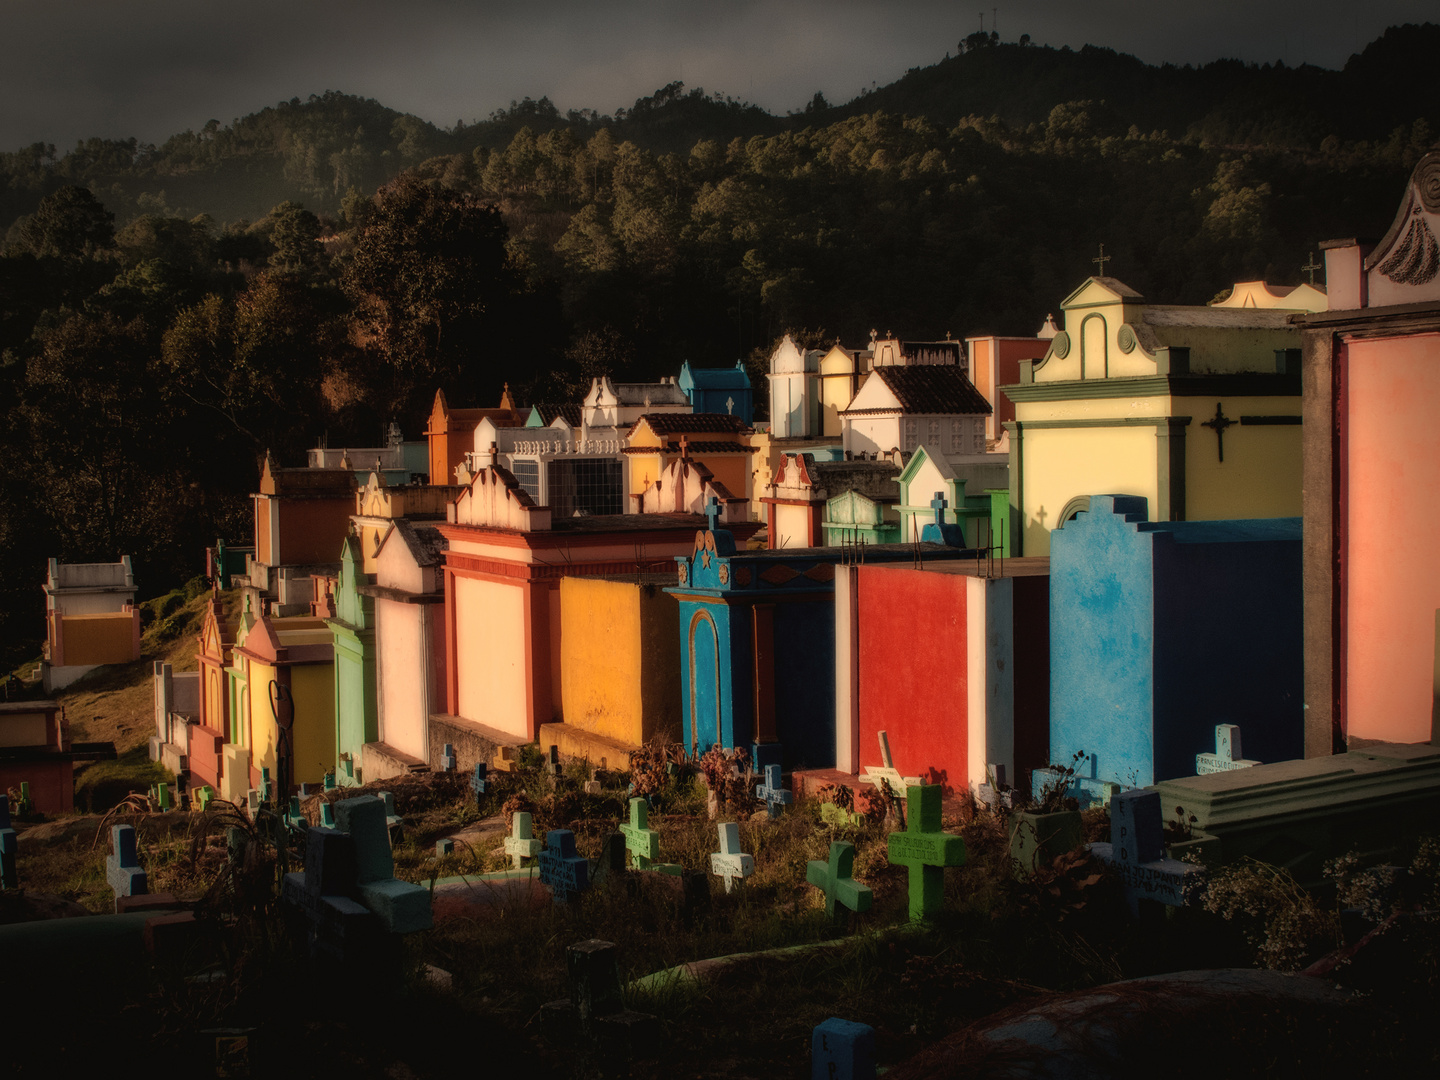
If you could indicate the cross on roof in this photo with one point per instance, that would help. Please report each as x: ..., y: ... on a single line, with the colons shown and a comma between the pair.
x: 1311, y: 267
x: 1227, y: 756
x: 521, y: 843
x: 1101, y: 259
x: 773, y: 791
x: 938, y: 504
x: 730, y: 862
x: 1218, y: 423
x: 926, y: 850
x: 566, y: 872
x: 833, y: 877
x: 1137, y: 852
x: 712, y: 513
x: 684, y: 446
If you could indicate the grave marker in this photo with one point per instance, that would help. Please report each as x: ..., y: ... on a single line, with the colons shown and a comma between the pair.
x: 553, y: 768
x: 444, y: 847
x: 479, y: 781
x: 1227, y: 755
x: 9, y: 845
x: 447, y: 759
x: 295, y: 817
x: 327, y: 815
x: 307, y: 790
x: 160, y: 797
x: 842, y: 1050
x: 773, y: 792
x: 122, y: 867
x: 595, y: 1005
x: 926, y: 850
x: 995, y: 793
x: 400, y: 906
x: 339, y: 925
x: 1137, y: 852
x: 521, y: 843
x: 252, y: 803
x: 329, y: 781
x: 204, y: 797
x: 834, y: 879
x: 730, y: 862
x: 393, y: 821
x: 25, y: 804
x: 561, y: 868
x: 887, y: 777
x: 266, y: 791
x: 643, y: 842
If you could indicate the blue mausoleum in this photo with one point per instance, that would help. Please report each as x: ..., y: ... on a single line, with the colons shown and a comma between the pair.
x: 1161, y: 630
x: 719, y: 390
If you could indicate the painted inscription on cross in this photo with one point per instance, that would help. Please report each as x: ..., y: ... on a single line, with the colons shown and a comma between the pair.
x: 643, y: 842
x: 521, y: 843
x: 1227, y: 756
x: 730, y: 862
x: 773, y: 792
x: 834, y: 879
x: 1137, y: 852
x: 566, y: 872
x: 926, y: 850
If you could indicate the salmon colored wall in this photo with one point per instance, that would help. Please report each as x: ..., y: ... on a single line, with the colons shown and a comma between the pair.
x: 1392, y: 585
x: 912, y: 678
x: 792, y: 526
x: 491, y: 654
x: 26, y: 730
x: 312, y: 530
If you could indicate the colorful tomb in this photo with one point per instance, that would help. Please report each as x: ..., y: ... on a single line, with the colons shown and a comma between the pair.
x: 301, y: 517
x: 35, y: 749
x: 718, y: 390
x: 619, y: 668
x: 757, y: 644
x: 1372, y: 471
x: 409, y: 596
x: 503, y: 569
x: 952, y: 661
x: 90, y: 619
x: 1196, y: 409
x: 798, y: 508
x: 353, y: 627
x: 1159, y: 631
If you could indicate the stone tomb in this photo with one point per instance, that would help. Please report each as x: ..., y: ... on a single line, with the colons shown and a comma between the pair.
x: 926, y: 850
x: 730, y: 862
x: 1227, y: 755
x: 1137, y: 852
x: 122, y: 867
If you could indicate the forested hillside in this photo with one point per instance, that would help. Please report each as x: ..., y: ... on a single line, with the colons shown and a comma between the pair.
x: 316, y: 269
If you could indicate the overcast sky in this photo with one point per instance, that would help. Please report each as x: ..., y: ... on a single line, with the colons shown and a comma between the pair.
x: 150, y: 68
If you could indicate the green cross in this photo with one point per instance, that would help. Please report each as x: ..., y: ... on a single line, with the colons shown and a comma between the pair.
x: 833, y: 878
x: 925, y: 850
x: 644, y: 843
x: 203, y: 798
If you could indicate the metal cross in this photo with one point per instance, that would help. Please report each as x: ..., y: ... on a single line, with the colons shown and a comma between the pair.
x: 1218, y: 423
x: 1101, y: 259
x: 1311, y: 267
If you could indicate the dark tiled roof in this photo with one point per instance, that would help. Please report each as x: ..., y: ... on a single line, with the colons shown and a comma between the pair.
x: 424, y: 541
x: 692, y: 448
x: 933, y: 389
x: 730, y: 378
x: 569, y: 410
x: 690, y: 423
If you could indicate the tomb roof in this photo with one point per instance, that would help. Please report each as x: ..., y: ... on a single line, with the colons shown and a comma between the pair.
x: 943, y: 389
x: 1230, y: 318
x: 1249, y: 530
x: 425, y: 543
x: 661, y: 393
x: 691, y: 447
x: 1019, y: 566
x: 10, y: 708
x: 549, y: 412
x: 716, y: 378
x: 684, y: 423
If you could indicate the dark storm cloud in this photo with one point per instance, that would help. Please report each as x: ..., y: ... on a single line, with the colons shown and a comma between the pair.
x: 99, y: 67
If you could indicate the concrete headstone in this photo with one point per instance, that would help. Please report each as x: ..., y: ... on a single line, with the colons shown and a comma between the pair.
x: 1227, y: 756
x: 842, y: 1050
x: 1137, y: 852
x: 834, y: 879
x: 730, y: 862
x: 926, y: 850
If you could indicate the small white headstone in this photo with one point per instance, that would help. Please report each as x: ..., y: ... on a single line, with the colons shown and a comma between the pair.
x: 1227, y: 756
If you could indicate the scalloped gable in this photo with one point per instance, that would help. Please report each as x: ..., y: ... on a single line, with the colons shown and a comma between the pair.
x: 1404, y: 268
x: 495, y: 499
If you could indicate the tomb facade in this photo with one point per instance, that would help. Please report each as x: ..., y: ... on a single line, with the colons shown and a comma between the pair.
x: 90, y: 620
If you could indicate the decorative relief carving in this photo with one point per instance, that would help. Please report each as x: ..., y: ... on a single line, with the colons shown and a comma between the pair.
x: 1060, y: 345
x: 1416, y: 259
x: 1126, y: 339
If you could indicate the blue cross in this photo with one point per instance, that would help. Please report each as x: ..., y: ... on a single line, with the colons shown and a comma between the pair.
x: 8, y: 877
x: 772, y: 792
x: 122, y: 868
x: 712, y: 513
x: 447, y: 759
x: 938, y: 504
x: 478, y: 781
x: 566, y: 872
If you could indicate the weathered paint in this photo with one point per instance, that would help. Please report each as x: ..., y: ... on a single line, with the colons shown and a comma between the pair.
x: 1159, y: 631
x: 1392, y: 521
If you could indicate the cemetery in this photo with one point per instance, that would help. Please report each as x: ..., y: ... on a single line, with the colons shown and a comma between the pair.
x: 838, y: 748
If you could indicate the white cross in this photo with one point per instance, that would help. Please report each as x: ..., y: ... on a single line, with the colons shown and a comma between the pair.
x: 730, y: 862
x: 1227, y: 755
x: 888, y: 775
x: 521, y: 843
x: 730, y: 405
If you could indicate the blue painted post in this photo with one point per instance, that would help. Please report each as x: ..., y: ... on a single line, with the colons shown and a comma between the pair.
x: 773, y: 792
x: 566, y: 872
x: 842, y: 1050
x: 447, y: 759
x: 479, y: 780
x: 265, y: 788
x: 444, y: 847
